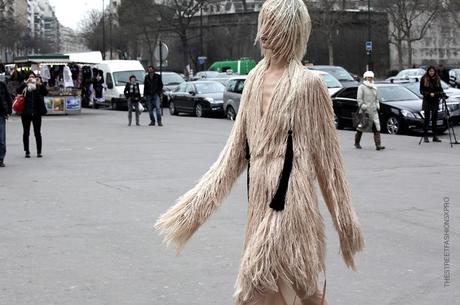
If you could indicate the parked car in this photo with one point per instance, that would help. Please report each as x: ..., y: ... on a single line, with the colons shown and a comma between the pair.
x: 454, y: 78
x: 408, y: 74
x: 333, y: 85
x: 400, y: 109
x: 170, y: 82
x: 116, y: 76
x: 200, y: 98
x: 242, y: 66
x: 453, y: 102
x: 342, y: 75
x: 232, y: 96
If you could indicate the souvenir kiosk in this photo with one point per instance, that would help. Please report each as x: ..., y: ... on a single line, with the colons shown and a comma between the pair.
x: 64, y: 92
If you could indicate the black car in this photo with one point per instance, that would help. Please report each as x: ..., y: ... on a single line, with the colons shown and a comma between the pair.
x: 400, y: 109
x: 342, y: 75
x: 198, y: 97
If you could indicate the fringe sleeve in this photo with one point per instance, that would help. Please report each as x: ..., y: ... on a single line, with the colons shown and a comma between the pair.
x: 330, y: 171
x: 192, y: 209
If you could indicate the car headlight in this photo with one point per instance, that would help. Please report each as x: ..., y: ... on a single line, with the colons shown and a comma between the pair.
x: 211, y: 100
x: 407, y: 114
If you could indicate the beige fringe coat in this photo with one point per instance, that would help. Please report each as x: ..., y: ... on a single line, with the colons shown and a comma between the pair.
x: 289, y: 245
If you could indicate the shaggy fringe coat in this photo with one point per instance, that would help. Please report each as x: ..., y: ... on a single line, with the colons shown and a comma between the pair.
x: 287, y: 245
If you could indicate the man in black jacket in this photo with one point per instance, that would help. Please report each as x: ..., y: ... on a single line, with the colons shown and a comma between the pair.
x: 153, y: 88
x: 5, y: 112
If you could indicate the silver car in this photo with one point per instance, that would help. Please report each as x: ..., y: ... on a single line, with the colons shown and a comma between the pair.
x: 232, y: 96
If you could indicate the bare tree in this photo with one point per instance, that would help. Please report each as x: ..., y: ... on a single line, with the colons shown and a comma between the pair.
x: 140, y: 21
x: 329, y: 21
x: 410, y: 20
x: 91, y: 30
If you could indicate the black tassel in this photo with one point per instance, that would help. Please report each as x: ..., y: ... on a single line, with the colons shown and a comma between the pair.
x: 248, y: 158
x: 279, y: 199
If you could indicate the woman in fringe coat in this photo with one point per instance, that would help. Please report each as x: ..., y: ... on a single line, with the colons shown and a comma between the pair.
x: 285, y: 136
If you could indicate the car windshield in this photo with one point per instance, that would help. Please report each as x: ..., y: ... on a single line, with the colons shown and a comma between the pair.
x: 412, y: 72
x: 170, y: 79
x: 211, y: 87
x: 122, y: 78
x: 395, y: 93
x: 331, y: 81
x: 338, y: 72
x: 414, y: 88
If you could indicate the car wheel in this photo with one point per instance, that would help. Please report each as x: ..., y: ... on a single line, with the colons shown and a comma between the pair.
x: 231, y: 113
x: 172, y: 108
x: 393, y: 125
x: 199, y: 110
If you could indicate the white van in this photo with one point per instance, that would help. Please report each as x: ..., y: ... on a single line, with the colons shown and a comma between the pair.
x: 116, y: 76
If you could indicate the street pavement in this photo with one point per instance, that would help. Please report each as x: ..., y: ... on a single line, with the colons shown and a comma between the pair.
x: 76, y: 226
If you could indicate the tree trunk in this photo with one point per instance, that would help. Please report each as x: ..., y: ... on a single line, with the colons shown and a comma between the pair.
x: 330, y: 47
x: 409, y: 51
x: 400, y: 54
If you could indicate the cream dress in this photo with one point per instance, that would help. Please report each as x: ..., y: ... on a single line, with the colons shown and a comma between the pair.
x: 283, y: 250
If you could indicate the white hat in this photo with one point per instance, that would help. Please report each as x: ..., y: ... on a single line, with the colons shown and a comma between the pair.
x: 368, y: 74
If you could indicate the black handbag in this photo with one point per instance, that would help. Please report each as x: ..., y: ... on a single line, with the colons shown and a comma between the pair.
x: 360, y: 119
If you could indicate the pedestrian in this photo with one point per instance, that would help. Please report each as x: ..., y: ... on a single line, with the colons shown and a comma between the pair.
x: 431, y: 89
x: 133, y: 95
x: 5, y: 112
x: 153, y: 88
x: 97, y: 89
x: 369, y: 104
x: 284, y: 132
x: 34, y: 108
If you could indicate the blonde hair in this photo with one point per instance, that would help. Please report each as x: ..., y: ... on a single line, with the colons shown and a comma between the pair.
x: 288, y: 23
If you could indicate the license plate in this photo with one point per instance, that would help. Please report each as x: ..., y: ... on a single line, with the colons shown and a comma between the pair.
x: 440, y: 122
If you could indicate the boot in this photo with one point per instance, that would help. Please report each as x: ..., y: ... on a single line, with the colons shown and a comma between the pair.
x: 436, y: 139
x: 358, y: 136
x: 378, y: 141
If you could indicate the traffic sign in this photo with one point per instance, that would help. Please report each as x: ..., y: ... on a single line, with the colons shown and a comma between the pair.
x: 369, y: 46
x: 164, y: 52
x: 202, y: 60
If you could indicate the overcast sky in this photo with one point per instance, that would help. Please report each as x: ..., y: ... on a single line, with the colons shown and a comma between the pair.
x: 71, y: 12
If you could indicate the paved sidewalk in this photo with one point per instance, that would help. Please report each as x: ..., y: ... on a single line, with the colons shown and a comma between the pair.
x: 76, y: 226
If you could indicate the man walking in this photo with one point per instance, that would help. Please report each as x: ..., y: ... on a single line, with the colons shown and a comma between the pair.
x: 153, y: 87
x: 5, y: 112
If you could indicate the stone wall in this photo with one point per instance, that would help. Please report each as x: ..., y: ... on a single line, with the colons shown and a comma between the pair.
x: 231, y: 36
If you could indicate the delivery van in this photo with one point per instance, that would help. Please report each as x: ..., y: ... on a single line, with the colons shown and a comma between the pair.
x: 116, y: 76
x: 240, y: 67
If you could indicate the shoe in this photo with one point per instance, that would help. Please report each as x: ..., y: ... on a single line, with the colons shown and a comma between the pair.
x: 436, y: 139
x: 378, y: 141
x: 39, y: 156
x: 27, y: 154
x: 137, y: 124
x: 426, y: 140
x: 358, y: 136
x: 152, y: 124
x: 2, y: 164
x: 160, y: 124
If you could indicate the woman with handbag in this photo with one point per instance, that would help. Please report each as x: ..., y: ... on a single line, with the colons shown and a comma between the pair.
x: 34, y: 108
x: 133, y: 94
x: 431, y: 89
x: 368, y: 111
x: 285, y: 136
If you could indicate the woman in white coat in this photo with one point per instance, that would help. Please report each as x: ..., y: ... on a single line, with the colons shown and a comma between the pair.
x: 368, y: 103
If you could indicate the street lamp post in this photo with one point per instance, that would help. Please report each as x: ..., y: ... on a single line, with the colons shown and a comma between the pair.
x: 103, y: 30
x: 369, y: 37
x: 201, y: 34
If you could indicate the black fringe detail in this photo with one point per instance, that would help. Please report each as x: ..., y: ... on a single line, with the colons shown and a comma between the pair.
x: 279, y: 199
x: 248, y: 158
